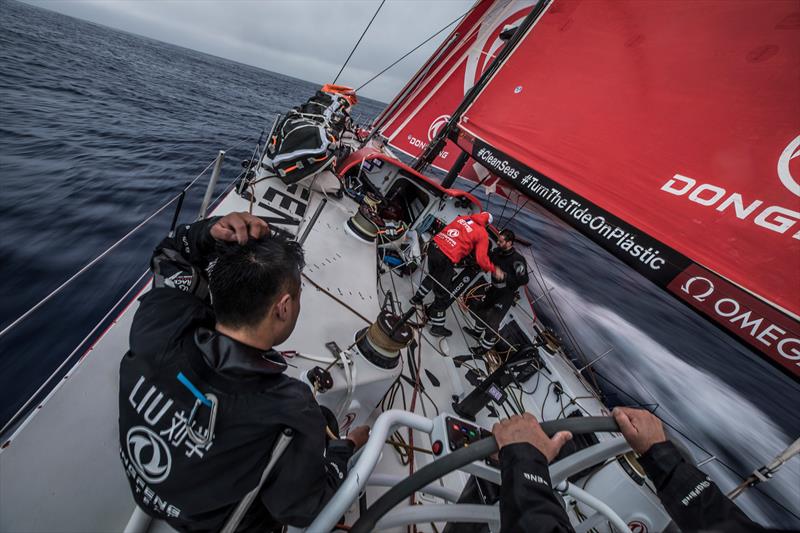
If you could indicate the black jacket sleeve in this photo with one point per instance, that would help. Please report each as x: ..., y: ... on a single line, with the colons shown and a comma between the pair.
x: 180, y: 261
x: 514, y: 266
x: 179, y: 294
x: 518, y: 275
x: 692, y: 500
x: 527, y: 501
x: 310, y: 471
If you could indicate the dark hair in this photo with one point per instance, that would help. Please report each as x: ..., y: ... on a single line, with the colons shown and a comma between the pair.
x: 245, y: 280
x: 509, y: 235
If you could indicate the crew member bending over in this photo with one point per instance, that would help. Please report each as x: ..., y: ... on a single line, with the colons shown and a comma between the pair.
x: 190, y: 362
x: 457, y: 240
x: 500, y: 297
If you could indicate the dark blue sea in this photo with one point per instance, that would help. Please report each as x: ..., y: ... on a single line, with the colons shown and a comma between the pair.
x: 99, y: 128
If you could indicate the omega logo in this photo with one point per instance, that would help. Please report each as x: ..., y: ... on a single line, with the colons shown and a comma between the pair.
x: 709, y: 286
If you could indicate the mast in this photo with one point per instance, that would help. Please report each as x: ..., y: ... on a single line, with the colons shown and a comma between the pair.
x: 442, y: 135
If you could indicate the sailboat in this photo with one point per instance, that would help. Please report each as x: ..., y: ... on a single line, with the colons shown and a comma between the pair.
x: 722, y: 242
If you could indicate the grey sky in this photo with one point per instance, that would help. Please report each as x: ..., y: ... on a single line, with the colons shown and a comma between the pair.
x: 303, y: 38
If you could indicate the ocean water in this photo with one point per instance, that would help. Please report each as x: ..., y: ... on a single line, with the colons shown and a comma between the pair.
x: 99, y: 128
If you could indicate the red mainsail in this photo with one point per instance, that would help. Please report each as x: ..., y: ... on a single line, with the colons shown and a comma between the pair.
x: 424, y: 106
x: 668, y: 132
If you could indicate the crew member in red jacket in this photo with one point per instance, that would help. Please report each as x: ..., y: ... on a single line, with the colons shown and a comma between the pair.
x: 456, y: 241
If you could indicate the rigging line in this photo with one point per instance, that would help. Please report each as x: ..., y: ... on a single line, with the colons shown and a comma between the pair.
x: 503, y: 212
x: 481, y: 182
x: 420, y: 45
x: 691, y: 441
x: 549, y: 298
x: 359, y: 41
x: 571, y: 337
x: 515, y: 213
x: 12, y: 421
x: 340, y: 302
x: 500, y: 337
x: 94, y: 261
x: 108, y: 250
x: 16, y: 416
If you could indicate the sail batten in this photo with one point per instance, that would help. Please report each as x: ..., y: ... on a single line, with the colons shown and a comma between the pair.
x: 669, y: 133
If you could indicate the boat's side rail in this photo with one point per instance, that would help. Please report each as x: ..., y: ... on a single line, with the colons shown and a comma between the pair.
x: 365, y: 462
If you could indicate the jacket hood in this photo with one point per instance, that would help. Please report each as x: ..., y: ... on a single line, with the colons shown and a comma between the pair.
x: 232, y: 358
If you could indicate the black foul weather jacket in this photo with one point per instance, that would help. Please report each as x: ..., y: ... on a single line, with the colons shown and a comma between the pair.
x: 177, y: 472
x: 500, y: 295
x: 516, y: 269
x: 527, y: 501
x: 692, y: 500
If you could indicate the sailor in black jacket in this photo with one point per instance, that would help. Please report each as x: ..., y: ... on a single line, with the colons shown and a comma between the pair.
x: 500, y: 296
x: 187, y: 360
x: 692, y: 500
x: 527, y: 500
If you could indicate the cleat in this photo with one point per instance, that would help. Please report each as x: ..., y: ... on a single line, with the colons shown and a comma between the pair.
x: 440, y: 331
x: 474, y: 333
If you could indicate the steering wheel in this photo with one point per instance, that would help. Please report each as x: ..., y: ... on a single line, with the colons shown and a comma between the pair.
x: 462, y: 457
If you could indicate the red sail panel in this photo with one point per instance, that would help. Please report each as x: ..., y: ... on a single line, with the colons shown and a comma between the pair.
x: 669, y: 132
x: 439, y: 87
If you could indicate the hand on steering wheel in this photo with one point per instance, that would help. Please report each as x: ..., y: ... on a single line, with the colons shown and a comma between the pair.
x: 526, y: 428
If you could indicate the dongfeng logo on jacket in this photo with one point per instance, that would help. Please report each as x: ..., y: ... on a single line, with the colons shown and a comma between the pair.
x: 149, y: 454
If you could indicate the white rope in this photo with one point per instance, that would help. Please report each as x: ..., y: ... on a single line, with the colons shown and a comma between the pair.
x: 108, y: 250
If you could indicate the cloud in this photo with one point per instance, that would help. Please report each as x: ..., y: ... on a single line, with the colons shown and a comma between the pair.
x: 305, y: 39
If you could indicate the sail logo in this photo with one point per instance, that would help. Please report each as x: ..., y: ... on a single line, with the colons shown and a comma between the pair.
x: 149, y: 454
x: 488, y: 41
x: 703, y: 295
x: 437, y: 124
x: 741, y: 314
x: 791, y: 151
x: 774, y: 218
